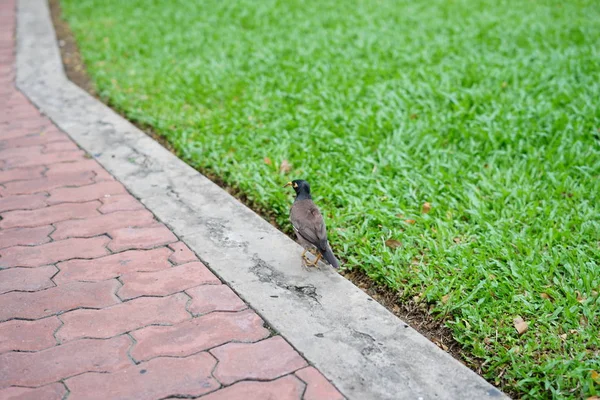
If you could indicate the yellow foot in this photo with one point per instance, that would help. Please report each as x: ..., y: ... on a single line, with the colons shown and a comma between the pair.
x: 314, y: 263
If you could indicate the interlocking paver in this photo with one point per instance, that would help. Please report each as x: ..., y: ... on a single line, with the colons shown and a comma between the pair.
x: 239, y: 361
x: 286, y: 388
x: 34, y: 139
x: 317, y: 387
x: 55, y: 391
x: 49, y: 215
x: 197, y: 335
x: 122, y: 202
x: 155, y: 379
x: 19, y: 174
x: 59, y: 146
x: 81, y: 166
x: 32, y: 305
x: 166, y: 281
x: 31, y: 151
x: 26, y: 202
x: 26, y: 279
x: 113, y: 265
x: 25, y: 236
x: 100, y: 174
x: 43, y: 159
x: 46, y: 184
x: 123, y: 317
x: 141, y: 238
x: 50, y: 253
x: 28, y: 335
x: 209, y: 298
x: 181, y: 253
x: 102, y: 224
x: 85, y: 193
x: 59, y: 362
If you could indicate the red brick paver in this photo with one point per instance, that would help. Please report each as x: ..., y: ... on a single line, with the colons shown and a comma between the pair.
x: 101, y: 301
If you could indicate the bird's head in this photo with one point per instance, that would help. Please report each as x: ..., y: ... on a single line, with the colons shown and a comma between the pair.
x: 301, y: 187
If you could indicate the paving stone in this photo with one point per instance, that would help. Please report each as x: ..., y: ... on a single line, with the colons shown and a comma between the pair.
x: 197, y: 335
x: 32, y: 151
x: 34, y: 139
x: 286, y: 388
x: 113, y: 265
x: 209, y: 298
x: 50, y: 253
x: 82, y: 165
x: 25, y: 236
x: 85, y: 193
x: 33, y: 305
x: 54, y: 391
x: 59, y: 146
x: 46, y: 184
x: 317, y: 387
x: 102, y: 224
x: 59, y: 362
x: 21, y: 174
x: 26, y: 279
x: 30, y: 160
x: 28, y: 335
x: 141, y: 238
x: 181, y: 253
x: 123, y: 317
x: 49, y: 215
x: 124, y: 202
x: 264, y: 360
x: 155, y: 379
x: 166, y: 281
x: 26, y: 202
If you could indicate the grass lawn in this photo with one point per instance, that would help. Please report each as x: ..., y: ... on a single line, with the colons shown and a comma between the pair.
x: 487, y: 110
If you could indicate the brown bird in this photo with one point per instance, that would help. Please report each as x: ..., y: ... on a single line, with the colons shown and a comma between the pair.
x: 309, y: 225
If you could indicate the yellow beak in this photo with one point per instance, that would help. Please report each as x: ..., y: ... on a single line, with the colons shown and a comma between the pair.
x: 287, y: 184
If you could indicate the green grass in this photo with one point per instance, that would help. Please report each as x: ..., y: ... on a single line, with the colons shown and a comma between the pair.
x: 487, y: 109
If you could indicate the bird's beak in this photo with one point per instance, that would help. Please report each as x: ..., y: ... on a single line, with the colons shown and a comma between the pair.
x: 287, y: 184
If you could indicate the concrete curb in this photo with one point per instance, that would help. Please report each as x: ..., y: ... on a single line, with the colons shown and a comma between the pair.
x: 366, y: 351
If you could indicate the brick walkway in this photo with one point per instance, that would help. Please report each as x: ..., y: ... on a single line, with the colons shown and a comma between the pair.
x: 101, y: 301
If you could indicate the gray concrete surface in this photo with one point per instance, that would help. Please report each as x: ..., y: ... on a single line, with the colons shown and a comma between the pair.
x: 366, y: 351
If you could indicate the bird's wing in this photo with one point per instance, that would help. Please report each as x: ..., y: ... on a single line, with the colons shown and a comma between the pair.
x: 308, y: 223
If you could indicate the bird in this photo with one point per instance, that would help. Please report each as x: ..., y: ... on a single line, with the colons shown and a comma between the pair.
x: 309, y: 225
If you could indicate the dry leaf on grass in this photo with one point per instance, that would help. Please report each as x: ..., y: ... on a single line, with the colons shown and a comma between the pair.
x: 426, y: 208
x: 393, y: 243
x: 580, y: 298
x: 410, y: 221
x: 545, y: 296
x: 593, y: 398
x: 595, y: 376
x: 285, y: 166
x: 445, y: 298
x: 520, y: 325
x: 267, y: 161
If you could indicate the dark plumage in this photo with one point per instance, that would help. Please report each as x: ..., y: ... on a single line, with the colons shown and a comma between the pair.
x: 309, y: 225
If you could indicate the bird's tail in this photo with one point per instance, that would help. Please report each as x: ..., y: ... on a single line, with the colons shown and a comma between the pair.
x: 328, y: 255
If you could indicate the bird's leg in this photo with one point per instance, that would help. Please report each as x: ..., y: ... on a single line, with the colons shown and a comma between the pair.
x: 316, y: 262
x: 304, y: 255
